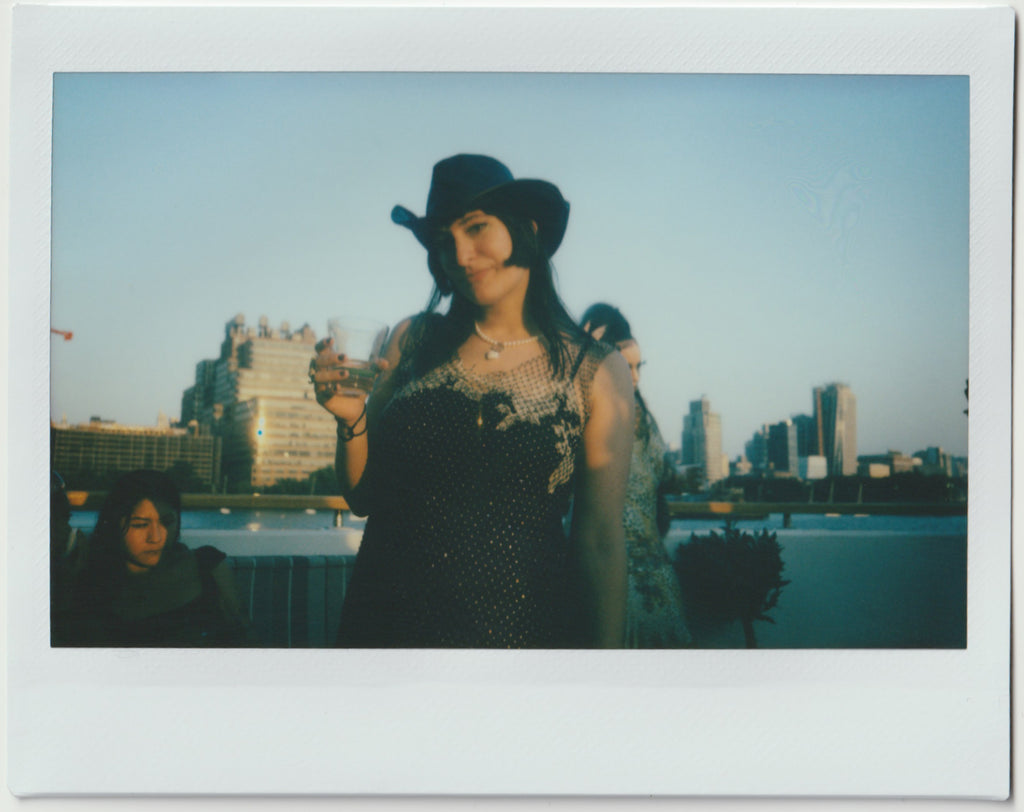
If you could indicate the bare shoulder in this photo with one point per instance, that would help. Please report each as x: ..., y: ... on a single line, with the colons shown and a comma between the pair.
x: 612, y: 378
x: 609, y: 428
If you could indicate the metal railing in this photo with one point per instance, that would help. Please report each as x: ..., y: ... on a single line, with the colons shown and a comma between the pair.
x: 91, y: 500
x: 760, y: 510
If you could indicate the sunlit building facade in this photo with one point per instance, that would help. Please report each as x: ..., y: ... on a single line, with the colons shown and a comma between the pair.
x: 702, y: 440
x: 102, y: 447
x: 835, y: 416
x: 258, y: 398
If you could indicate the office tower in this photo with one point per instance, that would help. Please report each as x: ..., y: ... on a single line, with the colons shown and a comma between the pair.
x: 258, y: 398
x: 806, y: 436
x: 702, y: 440
x: 757, y: 449
x: 835, y: 417
x: 782, y: 448
x: 197, y: 401
x: 103, y: 448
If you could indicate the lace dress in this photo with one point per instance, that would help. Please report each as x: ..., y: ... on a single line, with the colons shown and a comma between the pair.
x: 654, y: 603
x: 470, y: 478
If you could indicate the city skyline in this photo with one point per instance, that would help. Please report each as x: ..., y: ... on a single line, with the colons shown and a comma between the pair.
x: 764, y: 234
x: 678, y: 445
x: 249, y: 421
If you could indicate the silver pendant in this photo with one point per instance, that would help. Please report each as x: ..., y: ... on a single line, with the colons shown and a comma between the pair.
x: 492, y: 354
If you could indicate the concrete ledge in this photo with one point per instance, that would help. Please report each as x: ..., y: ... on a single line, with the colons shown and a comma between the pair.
x: 332, y: 542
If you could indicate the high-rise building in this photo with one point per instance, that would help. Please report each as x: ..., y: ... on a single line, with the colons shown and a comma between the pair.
x: 806, y: 435
x: 835, y: 418
x: 100, y: 448
x: 258, y: 398
x: 757, y: 449
x: 783, y: 456
x: 702, y: 440
x: 199, y: 396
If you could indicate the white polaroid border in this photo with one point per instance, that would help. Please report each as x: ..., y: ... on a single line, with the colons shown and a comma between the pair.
x: 737, y: 723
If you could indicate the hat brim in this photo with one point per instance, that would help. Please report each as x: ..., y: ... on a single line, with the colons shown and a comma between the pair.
x: 538, y: 200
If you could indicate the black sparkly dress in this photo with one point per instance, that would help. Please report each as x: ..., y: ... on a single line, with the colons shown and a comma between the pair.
x: 471, y: 477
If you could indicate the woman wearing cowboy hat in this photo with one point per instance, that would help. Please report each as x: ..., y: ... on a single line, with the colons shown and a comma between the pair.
x: 485, y: 424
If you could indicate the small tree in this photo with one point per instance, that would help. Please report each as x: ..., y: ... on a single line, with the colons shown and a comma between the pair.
x: 692, y: 480
x: 735, y: 576
x: 183, y: 475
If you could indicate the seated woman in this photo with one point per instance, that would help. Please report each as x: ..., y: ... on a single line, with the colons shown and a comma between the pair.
x: 654, y: 605
x: 139, y: 585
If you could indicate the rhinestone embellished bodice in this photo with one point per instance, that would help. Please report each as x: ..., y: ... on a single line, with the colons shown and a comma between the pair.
x: 472, y: 475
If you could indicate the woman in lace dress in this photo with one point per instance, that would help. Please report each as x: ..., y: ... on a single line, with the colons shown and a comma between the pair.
x: 485, y: 423
x: 654, y: 606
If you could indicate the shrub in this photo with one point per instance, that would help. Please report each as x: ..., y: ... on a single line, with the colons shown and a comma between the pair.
x: 729, y: 577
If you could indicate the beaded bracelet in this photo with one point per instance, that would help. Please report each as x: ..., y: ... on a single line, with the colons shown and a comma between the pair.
x: 347, y: 432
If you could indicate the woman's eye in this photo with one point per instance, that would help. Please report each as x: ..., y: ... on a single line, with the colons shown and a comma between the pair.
x: 475, y: 228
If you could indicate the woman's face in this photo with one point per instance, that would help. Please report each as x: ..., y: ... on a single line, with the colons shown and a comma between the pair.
x: 474, y: 260
x: 145, y: 532
x: 631, y: 352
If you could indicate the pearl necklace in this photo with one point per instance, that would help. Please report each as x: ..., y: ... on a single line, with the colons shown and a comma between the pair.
x: 497, y: 347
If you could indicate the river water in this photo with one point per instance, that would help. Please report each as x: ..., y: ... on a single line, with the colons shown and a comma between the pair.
x: 256, y: 520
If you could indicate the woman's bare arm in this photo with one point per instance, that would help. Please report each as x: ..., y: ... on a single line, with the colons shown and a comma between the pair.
x: 600, y: 498
x: 351, y: 454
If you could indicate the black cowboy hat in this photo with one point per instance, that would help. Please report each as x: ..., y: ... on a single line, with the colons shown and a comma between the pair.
x: 463, y: 183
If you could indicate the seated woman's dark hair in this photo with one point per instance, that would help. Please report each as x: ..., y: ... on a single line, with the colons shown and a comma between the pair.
x: 543, y: 307
x: 128, y: 491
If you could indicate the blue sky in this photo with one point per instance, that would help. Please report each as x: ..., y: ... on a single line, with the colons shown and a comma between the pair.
x: 764, y: 234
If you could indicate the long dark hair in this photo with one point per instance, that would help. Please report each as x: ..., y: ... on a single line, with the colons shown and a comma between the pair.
x: 617, y: 331
x: 434, y: 338
x: 106, y: 545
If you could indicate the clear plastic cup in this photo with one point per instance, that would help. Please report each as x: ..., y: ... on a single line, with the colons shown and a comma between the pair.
x: 361, y: 341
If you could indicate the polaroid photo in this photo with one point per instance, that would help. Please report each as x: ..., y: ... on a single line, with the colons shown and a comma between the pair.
x: 805, y: 216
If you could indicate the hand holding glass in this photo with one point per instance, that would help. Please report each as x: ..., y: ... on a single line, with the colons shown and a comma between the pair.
x: 361, y: 342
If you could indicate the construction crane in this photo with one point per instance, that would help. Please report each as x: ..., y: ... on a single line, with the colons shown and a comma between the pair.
x: 66, y: 333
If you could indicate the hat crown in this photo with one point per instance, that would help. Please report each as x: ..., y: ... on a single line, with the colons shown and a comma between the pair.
x: 458, y: 180
x: 464, y: 183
